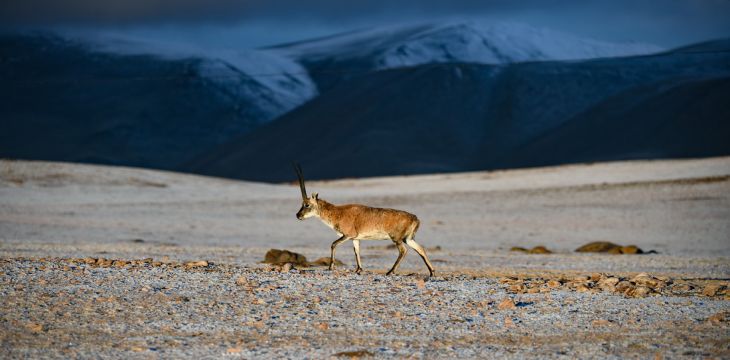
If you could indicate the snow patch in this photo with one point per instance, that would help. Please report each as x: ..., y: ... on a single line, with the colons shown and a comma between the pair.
x: 459, y: 41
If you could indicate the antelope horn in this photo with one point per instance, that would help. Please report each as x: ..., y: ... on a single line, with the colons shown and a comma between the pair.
x: 298, y: 170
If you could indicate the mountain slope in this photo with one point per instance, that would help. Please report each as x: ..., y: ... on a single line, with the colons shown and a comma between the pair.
x: 675, y: 119
x: 64, y: 100
x: 458, y: 117
x: 447, y: 42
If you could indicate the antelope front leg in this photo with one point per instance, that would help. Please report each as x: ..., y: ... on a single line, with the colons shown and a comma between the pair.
x: 334, y: 246
x: 356, y: 245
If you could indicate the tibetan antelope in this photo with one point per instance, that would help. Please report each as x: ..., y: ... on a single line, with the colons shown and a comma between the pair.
x: 359, y: 222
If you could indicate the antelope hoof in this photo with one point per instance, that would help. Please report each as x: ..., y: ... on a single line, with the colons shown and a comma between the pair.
x: 389, y: 272
x: 358, y: 271
x: 330, y: 268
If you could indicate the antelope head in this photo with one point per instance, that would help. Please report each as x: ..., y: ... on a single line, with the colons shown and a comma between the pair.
x: 310, y: 207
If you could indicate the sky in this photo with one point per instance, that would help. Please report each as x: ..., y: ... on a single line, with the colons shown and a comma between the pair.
x: 259, y: 23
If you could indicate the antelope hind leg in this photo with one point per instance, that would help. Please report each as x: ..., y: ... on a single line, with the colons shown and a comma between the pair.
x: 421, y: 251
x: 402, y: 250
x: 356, y: 246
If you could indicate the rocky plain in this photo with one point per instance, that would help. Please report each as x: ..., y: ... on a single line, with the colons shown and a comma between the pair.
x: 113, y: 262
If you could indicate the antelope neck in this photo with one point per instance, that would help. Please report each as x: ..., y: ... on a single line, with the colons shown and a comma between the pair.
x: 326, y: 212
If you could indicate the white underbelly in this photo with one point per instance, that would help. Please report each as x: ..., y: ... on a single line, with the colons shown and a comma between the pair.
x: 373, y: 235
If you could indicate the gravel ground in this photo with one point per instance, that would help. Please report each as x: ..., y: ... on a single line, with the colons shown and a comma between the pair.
x: 62, y: 226
x: 57, y: 308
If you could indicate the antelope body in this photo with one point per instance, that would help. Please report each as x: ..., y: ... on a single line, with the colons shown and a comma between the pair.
x: 359, y: 222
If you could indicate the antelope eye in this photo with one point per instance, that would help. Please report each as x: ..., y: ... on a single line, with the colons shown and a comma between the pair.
x: 307, y: 206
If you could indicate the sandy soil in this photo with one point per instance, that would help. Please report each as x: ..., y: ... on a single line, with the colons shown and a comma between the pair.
x: 52, y: 215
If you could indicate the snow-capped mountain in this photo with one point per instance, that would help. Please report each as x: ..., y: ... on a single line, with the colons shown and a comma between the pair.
x: 464, y: 117
x: 462, y: 41
x: 273, y: 83
x: 132, y: 102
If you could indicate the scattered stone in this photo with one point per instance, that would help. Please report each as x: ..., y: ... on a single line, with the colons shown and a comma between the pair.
x: 195, y: 264
x: 622, y: 286
x: 609, y: 281
x: 325, y: 261
x: 631, y: 249
x: 597, y: 247
x: 535, y: 250
x: 281, y: 257
x: 718, y: 318
x: 647, y: 280
x: 610, y: 248
x: 639, y: 291
x: 286, y: 267
x: 518, y: 288
x: 35, y: 327
x: 354, y: 354
x: 712, y: 289
x: 540, y: 250
x: 508, y: 322
x: 507, y: 304
x: 601, y: 322
x: 553, y: 284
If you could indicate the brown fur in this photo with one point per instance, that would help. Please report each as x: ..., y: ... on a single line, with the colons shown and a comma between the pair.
x: 359, y: 222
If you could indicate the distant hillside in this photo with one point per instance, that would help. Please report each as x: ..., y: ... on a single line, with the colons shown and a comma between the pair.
x: 457, y: 117
x: 396, y: 100
x: 65, y: 100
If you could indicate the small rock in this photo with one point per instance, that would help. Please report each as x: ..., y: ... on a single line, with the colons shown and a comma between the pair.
x: 712, y: 289
x: 718, y: 318
x: 535, y: 250
x: 597, y: 247
x: 639, y: 291
x: 35, y: 327
x: 507, y: 304
x: 631, y: 249
x: 540, y: 250
x: 622, y: 286
x: 517, y: 288
x: 601, y: 322
x: 196, y: 264
x: 682, y: 288
x: 610, y: 281
x: 508, y: 322
x: 281, y: 257
x: 354, y: 354
x: 553, y: 283
x: 286, y: 267
x: 325, y: 261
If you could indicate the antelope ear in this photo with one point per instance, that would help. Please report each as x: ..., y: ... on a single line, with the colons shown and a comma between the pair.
x: 315, y: 196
